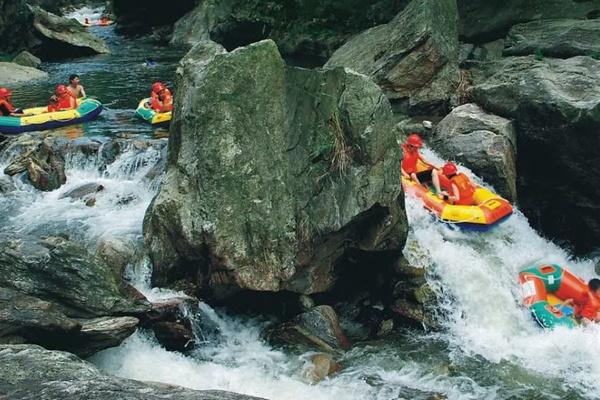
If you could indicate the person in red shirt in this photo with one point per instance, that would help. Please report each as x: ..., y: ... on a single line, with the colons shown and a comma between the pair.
x: 453, y: 186
x: 589, y: 308
x: 161, y: 99
x: 62, y: 100
x: 6, y: 107
x: 410, y: 159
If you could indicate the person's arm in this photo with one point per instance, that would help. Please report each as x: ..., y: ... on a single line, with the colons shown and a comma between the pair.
x: 455, y: 196
x: 82, y: 91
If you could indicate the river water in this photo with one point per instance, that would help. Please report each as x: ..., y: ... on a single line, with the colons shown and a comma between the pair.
x: 489, y: 347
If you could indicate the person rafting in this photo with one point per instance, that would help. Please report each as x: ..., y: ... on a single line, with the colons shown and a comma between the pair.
x: 62, y: 100
x: 86, y: 21
x: 589, y: 308
x: 75, y: 88
x: 6, y: 107
x: 161, y: 99
x: 410, y: 158
x: 453, y: 186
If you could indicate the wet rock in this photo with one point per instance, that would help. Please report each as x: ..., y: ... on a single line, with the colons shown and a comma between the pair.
x: 116, y: 253
x: 63, y: 37
x: 12, y: 73
x: 318, y: 328
x: 306, y: 302
x: 82, y: 191
x: 174, y: 336
x: 322, y: 365
x: 273, y: 208
x: 101, y: 333
x: 305, y: 34
x: 45, y: 166
x: 562, y: 38
x: 34, y: 320
x: 31, y: 372
x: 414, y: 58
x: 57, y: 270
x: 27, y: 59
x: 555, y: 108
x: 483, y: 142
x: 483, y: 21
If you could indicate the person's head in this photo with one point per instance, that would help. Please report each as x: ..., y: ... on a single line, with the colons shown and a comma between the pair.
x: 61, y: 90
x: 414, y: 142
x: 87, y: 20
x: 158, y: 87
x: 594, y: 285
x: 449, y: 169
x: 5, y: 93
x: 74, y: 79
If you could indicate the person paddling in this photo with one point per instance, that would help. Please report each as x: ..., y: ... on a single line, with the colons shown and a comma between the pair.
x: 410, y: 159
x: 62, y: 100
x: 453, y: 186
x: 6, y: 107
x: 75, y: 88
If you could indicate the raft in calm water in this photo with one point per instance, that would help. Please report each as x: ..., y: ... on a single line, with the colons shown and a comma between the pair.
x: 151, y: 116
x: 38, y: 119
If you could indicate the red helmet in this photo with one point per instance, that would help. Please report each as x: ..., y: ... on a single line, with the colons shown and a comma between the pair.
x: 449, y: 169
x: 414, y: 140
x: 157, y: 87
x: 4, y: 92
x: 61, y: 89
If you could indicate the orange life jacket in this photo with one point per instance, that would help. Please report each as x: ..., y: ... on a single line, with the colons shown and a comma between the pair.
x: 164, y: 105
x: 6, y: 107
x: 409, y: 160
x: 64, y: 101
x: 590, y: 309
x: 464, y: 185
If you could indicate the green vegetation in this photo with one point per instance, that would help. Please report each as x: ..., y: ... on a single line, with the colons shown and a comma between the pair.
x: 539, y: 54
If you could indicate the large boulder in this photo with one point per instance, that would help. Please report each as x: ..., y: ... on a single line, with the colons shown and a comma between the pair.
x: 306, y: 30
x: 60, y: 36
x: 274, y: 173
x: 58, y: 270
x: 486, y: 20
x: 12, y: 73
x: 555, y: 105
x: 414, y: 57
x: 483, y: 142
x: 32, y: 372
x: 562, y: 38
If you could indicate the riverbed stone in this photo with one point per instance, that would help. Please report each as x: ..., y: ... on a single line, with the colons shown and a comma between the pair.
x: 101, y: 333
x: 483, y: 142
x: 561, y: 38
x: 27, y: 59
x: 322, y: 366
x: 413, y: 58
x: 305, y: 166
x: 58, y: 270
x: 12, y: 73
x: 319, y: 328
x: 32, y: 372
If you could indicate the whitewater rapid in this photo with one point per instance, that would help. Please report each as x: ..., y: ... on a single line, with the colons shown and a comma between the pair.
x: 489, y: 347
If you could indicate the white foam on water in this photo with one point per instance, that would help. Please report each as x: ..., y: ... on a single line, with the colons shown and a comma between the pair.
x: 80, y: 14
x: 476, y: 276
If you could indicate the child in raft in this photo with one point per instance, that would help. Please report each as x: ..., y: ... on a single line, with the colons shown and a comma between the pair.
x: 588, y: 310
x: 410, y: 158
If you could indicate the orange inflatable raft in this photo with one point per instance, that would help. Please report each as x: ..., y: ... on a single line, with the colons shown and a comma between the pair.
x: 488, y: 209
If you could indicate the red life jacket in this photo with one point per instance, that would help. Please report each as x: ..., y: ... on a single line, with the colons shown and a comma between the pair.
x: 464, y: 185
x: 64, y: 101
x: 409, y: 160
x: 590, y: 309
x: 164, y: 105
x: 6, y: 106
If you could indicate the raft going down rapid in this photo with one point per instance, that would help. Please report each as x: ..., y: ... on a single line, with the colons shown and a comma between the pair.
x: 151, y: 116
x: 38, y: 119
x: 545, y: 287
x: 488, y: 209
